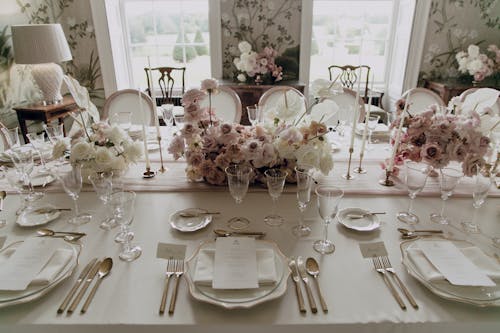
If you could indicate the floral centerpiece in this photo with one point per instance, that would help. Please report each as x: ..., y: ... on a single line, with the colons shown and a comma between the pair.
x: 210, y: 145
x: 477, y: 64
x: 438, y: 139
x: 106, y: 148
x: 260, y: 67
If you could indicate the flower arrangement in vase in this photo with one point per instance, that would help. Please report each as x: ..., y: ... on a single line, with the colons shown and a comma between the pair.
x: 259, y: 67
x: 477, y: 64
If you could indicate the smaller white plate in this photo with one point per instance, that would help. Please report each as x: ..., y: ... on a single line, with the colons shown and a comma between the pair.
x: 190, y: 224
x: 366, y: 223
x: 41, y: 179
x: 152, y: 146
x: 30, y: 218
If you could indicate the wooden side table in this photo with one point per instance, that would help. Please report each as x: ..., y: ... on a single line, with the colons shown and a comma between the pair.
x: 447, y: 90
x: 45, y: 113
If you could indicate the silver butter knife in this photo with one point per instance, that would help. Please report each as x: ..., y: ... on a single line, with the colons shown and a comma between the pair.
x: 295, y: 277
x: 78, y: 282
x: 303, y: 274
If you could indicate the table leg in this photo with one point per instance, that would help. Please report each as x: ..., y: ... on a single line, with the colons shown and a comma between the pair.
x: 23, y: 127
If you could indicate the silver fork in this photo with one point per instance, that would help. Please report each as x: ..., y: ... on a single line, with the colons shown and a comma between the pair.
x: 179, y: 270
x: 388, y: 267
x: 379, y: 268
x: 170, y: 271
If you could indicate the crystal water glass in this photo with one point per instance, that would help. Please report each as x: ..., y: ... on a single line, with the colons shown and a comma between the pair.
x: 253, y: 112
x: 481, y: 183
x: 102, y: 182
x: 55, y: 132
x: 38, y: 143
x: 71, y: 181
x: 238, y: 178
x: 16, y: 181
x: 415, y: 178
x: 303, y: 175
x: 122, y: 119
x: 24, y: 163
x: 372, y: 125
x: 329, y: 198
x: 123, y: 205
x: 448, y: 180
x: 275, y: 179
x: 12, y: 137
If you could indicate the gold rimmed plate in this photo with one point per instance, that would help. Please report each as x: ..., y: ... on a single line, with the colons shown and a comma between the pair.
x: 365, y: 223
x: 190, y: 219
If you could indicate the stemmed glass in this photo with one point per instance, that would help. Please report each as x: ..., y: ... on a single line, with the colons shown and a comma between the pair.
x: 102, y: 182
x: 238, y: 177
x: 328, y: 204
x: 275, y: 179
x: 304, y: 184
x: 253, y: 112
x: 12, y: 137
x: 416, y: 176
x: 481, y: 185
x: 448, y: 180
x: 372, y: 125
x: 16, y: 181
x: 38, y: 143
x: 71, y: 181
x: 123, y: 204
x: 54, y: 132
x: 23, y: 161
x: 122, y: 119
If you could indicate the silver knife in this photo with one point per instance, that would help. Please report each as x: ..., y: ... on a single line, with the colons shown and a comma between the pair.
x: 86, y: 285
x: 295, y: 277
x: 303, y: 274
x: 78, y: 282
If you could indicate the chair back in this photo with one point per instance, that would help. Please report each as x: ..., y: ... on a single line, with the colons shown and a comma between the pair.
x: 421, y: 99
x: 276, y: 95
x: 349, y: 75
x: 4, y: 143
x: 167, y: 78
x: 345, y: 101
x: 495, y: 107
x: 226, y: 104
x: 128, y: 100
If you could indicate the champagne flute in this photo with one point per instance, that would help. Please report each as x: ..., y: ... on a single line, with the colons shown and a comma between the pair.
x: 481, y: 185
x: 328, y: 204
x: 253, y: 112
x: 304, y: 184
x: 102, y: 182
x: 416, y: 176
x: 372, y: 125
x: 448, y: 180
x: 275, y: 179
x: 123, y: 204
x: 71, y: 181
x: 238, y: 178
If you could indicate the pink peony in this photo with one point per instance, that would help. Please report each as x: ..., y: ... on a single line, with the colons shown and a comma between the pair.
x: 209, y: 85
x: 192, y: 96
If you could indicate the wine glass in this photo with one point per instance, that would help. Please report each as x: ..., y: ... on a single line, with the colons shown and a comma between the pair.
x: 416, y: 176
x: 123, y: 119
x: 304, y: 184
x: 372, y: 125
x: 253, y: 112
x: 24, y: 163
x: 12, y: 137
x: 179, y: 121
x: 16, y: 181
x: 123, y: 204
x: 275, y: 179
x: 448, y: 180
x: 38, y: 143
x: 481, y: 185
x: 328, y: 204
x: 102, y: 182
x: 71, y: 181
x: 54, y: 132
x: 238, y: 177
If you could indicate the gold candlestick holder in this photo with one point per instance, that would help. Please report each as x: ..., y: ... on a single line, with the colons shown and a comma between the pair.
x: 386, y: 181
x: 348, y: 175
x: 148, y: 173
x: 359, y: 169
x: 162, y: 168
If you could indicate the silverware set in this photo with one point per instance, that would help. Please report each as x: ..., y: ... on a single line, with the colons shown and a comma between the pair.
x: 95, y: 268
x: 301, y: 270
x: 384, y: 268
x: 175, y: 269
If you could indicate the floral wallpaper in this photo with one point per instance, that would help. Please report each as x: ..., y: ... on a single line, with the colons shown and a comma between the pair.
x: 274, y: 23
x: 453, y: 26
x: 16, y: 84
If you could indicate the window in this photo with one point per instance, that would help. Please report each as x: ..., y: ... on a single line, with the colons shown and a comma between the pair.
x: 172, y: 33
x: 351, y: 33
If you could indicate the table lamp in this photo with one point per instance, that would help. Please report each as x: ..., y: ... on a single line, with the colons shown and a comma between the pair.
x: 43, y: 46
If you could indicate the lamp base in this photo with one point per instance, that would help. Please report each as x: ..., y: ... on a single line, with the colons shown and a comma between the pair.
x: 48, y: 78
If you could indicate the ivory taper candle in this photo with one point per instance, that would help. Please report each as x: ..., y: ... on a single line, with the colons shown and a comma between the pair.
x: 355, y: 113
x: 390, y: 168
x: 144, y: 136
x: 367, y: 116
x: 153, y: 97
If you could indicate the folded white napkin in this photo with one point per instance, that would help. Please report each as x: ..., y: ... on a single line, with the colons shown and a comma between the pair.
x: 266, y: 267
x: 484, y: 263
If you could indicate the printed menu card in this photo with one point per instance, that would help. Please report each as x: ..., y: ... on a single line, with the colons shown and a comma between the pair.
x: 235, y: 265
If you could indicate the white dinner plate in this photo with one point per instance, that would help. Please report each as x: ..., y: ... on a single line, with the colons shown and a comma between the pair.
x: 8, y: 298
x: 479, y: 296
x: 240, y: 298
x: 32, y: 218
x: 5, y: 157
x: 153, y: 146
x: 190, y: 224
x: 366, y: 223
x: 41, y: 179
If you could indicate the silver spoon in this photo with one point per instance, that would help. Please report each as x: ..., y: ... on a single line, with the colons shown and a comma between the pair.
x: 225, y: 233
x: 411, y: 232
x: 312, y: 269
x: 48, y: 232
x: 104, y: 269
x: 196, y: 214
x: 360, y: 216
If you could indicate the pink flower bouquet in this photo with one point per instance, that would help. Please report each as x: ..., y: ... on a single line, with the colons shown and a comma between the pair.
x: 257, y: 66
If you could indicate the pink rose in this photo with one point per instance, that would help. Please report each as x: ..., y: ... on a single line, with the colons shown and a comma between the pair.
x: 209, y: 84
x: 176, y: 147
x: 471, y: 164
x: 194, y: 159
x: 192, y: 96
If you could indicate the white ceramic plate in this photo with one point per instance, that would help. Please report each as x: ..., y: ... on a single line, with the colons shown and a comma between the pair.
x: 32, y: 218
x: 479, y: 296
x: 153, y: 146
x: 8, y: 298
x: 41, y: 179
x: 190, y: 224
x: 244, y: 298
x: 4, y: 157
x: 366, y: 223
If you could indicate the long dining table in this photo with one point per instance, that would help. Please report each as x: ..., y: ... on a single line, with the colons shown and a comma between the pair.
x: 358, y: 301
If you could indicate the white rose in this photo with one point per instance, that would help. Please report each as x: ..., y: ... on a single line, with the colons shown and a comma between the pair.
x: 244, y: 47
x: 241, y: 77
x: 308, y: 155
x: 326, y: 160
x: 474, y: 66
x: 82, y: 150
x: 59, y: 148
x: 237, y: 63
x: 116, y: 135
x: 118, y: 163
x: 103, y: 158
x: 133, y: 150
x: 473, y: 51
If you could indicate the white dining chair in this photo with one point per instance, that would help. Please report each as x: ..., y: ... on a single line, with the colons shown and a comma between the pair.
x: 128, y: 100
x: 421, y: 99
x: 226, y: 105
x: 345, y: 102
x: 275, y: 96
x: 495, y: 107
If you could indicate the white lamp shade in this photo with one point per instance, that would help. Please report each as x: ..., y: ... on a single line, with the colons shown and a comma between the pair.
x: 39, y: 44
